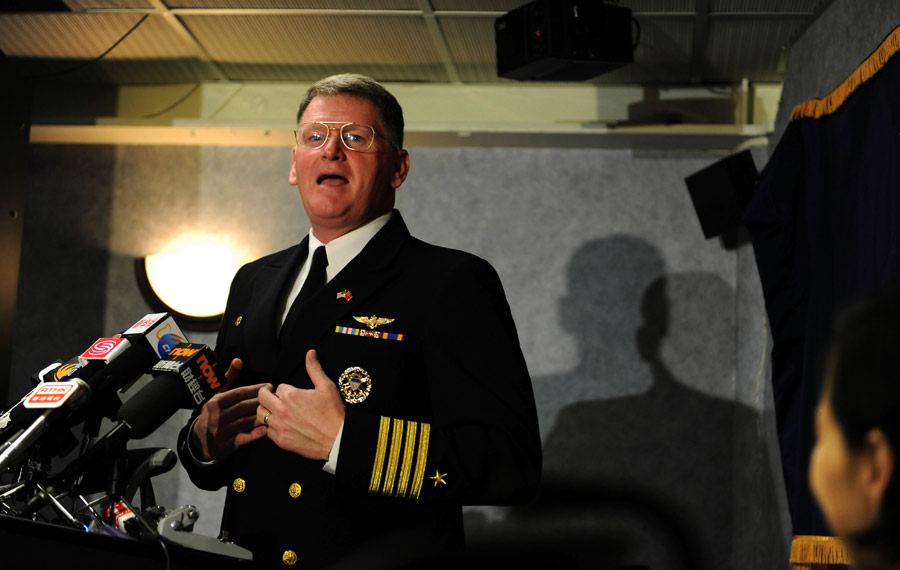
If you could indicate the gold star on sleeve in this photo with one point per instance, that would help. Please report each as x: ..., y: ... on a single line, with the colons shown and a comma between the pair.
x: 438, y: 478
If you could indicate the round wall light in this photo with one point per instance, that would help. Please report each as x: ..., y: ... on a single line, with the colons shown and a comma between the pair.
x: 190, y: 279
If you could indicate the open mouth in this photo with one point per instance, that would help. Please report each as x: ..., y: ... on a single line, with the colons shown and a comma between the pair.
x: 324, y: 178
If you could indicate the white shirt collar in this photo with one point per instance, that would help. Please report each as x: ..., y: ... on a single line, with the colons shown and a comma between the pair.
x: 340, y: 251
x: 343, y: 249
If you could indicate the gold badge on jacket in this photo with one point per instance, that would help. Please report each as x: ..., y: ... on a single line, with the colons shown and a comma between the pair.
x: 373, y: 321
x: 355, y: 385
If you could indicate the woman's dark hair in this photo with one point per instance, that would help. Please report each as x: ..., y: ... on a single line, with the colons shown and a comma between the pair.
x: 863, y: 388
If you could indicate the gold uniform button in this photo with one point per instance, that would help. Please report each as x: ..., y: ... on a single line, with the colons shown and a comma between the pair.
x: 289, y: 557
x: 237, y: 321
x: 239, y: 485
x: 295, y: 490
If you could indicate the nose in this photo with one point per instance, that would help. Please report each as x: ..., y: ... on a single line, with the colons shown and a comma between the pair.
x: 333, y: 148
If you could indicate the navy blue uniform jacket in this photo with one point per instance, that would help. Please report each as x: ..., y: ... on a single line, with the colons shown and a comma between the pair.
x: 450, y: 418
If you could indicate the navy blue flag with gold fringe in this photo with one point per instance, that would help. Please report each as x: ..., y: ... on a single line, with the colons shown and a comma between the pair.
x: 825, y: 226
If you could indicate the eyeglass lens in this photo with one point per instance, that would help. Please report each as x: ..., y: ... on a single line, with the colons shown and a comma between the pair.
x: 354, y: 136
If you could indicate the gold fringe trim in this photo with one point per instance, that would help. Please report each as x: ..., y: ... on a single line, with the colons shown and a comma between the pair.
x: 818, y: 108
x: 819, y: 550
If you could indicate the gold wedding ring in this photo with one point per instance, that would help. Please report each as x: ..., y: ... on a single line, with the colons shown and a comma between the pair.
x: 266, y: 419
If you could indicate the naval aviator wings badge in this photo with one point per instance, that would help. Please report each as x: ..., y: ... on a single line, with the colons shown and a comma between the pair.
x: 373, y: 321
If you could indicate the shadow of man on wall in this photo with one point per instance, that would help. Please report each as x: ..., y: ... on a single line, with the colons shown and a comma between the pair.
x: 639, y: 435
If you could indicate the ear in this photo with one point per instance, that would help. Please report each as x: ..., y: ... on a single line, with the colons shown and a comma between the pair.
x: 401, y: 168
x: 292, y: 177
x: 881, y: 465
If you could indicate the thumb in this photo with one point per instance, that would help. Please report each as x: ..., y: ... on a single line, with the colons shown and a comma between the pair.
x: 232, y: 374
x: 315, y: 371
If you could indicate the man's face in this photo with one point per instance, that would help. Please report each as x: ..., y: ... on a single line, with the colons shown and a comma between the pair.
x: 342, y: 189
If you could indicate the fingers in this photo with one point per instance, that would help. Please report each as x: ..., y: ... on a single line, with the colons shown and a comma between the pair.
x: 269, y: 402
x: 239, y: 394
x: 262, y: 416
x: 268, y: 399
x: 246, y: 437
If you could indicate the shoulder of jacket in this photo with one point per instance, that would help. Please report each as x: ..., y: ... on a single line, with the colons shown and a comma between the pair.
x: 276, y: 259
x: 442, y: 259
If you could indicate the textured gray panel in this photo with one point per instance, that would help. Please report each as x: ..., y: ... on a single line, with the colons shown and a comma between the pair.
x: 749, y: 6
x: 79, y: 5
x: 660, y: 6
x: 302, y: 48
x: 626, y: 316
x: 152, y: 53
x: 478, y: 5
x: 726, y: 52
x: 471, y: 44
x: 300, y: 4
x: 63, y: 36
x: 662, y: 55
x: 65, y: 254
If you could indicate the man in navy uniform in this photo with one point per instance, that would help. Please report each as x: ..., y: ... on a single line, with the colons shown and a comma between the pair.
x: 376, y: 384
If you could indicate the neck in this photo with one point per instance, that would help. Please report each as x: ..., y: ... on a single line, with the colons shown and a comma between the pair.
x: 329, y: 234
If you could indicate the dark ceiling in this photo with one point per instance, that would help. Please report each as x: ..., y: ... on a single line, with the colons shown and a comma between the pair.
x: 682, y: 42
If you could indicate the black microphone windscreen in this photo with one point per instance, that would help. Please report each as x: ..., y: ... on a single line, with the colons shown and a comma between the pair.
x: 155, y: 403
x: 185, y: 378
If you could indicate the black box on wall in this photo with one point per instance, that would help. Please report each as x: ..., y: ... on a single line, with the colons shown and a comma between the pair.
x: 721, y: 191
x: 563, y: 40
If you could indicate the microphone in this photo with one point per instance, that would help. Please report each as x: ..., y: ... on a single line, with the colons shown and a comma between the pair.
x: 125, y: 359
x: 186, y: 377
x: 55, y: 372
x: 105, y: 367
x: 56, y: 401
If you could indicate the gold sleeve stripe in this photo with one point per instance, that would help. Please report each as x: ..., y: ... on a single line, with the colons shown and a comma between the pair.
x: 421, y: 460
x: 394, y: 459
x: 384, y: 430
x: 409, y: 451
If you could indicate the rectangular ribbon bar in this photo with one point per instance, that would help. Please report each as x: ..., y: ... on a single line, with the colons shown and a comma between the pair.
x: 368, y: 333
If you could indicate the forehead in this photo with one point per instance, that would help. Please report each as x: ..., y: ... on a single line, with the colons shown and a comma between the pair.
x: 342, y: 108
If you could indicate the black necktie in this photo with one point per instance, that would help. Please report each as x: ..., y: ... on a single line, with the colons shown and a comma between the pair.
x: 316, y: 277
x: 314, y: 281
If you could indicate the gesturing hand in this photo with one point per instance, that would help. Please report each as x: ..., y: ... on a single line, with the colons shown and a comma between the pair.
x: 303, y: 421
x: 228, y: 420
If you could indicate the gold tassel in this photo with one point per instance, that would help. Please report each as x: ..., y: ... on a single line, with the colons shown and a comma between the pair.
x: 818, y: 550
x: 818, y: 108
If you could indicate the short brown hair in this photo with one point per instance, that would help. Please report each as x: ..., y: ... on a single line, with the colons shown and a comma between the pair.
x: 361, y: 87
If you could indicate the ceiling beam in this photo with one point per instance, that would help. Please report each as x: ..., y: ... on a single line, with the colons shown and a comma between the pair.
x: 701, y: 38
x: 440, y: 42
x: 174, y: 22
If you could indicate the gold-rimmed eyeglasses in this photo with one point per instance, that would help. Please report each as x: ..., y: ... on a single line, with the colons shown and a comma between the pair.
x: 354, y: 136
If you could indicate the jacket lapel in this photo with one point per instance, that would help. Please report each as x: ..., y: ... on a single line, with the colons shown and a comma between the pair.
x: 368, y: 272
x: 268, y: 297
